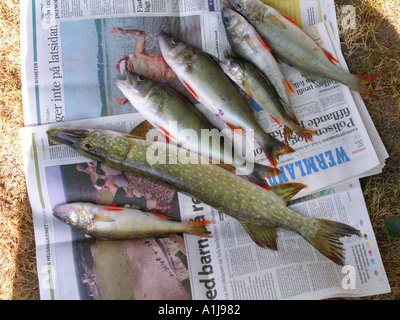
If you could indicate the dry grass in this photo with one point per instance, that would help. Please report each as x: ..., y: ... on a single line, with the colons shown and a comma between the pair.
x: 372, y: 48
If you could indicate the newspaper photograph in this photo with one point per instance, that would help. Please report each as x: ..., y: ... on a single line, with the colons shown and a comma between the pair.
x: 227, y: 266
x: 72, y: 53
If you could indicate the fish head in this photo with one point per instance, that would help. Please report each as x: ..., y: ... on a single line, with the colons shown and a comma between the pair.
x: 233, y: 68
x: 243, y: 6
x: 233, y: 23
x: 135, y: 86
x: 176, y: 52
x: 73, y: 214
x: 100, y: 145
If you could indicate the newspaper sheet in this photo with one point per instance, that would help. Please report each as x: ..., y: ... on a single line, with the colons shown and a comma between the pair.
x: 227, y: 266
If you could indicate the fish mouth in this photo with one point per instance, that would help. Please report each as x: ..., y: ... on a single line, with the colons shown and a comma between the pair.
x: 70, y: 137
x: 124, y: 84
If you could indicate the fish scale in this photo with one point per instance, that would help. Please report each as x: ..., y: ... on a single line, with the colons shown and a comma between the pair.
x: 260, y: 211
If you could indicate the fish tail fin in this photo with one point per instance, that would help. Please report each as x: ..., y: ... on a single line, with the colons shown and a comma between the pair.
x: 261, y: 173
x: 360, y: 84
x: 275, y: 148
x: 305, y: 133
x: 198, y: 228
x: 326, y: 239
x: 287, y: 133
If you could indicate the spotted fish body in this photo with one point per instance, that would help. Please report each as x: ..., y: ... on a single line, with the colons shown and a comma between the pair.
x: 102, y: 221
x: 259, y: 210
x: 291, y: 44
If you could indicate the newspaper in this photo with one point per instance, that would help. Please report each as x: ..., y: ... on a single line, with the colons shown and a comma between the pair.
x: 227, y: 266
x: 73, y: 50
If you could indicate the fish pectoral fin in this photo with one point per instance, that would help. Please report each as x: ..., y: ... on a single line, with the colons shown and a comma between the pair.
x: 264, y: 236
x: 275, y: 20
x: 141, y: 129
x: 250, y: 43
x: 263, y: 43
x: 235, y: 128
x: 102, y: 218
x: 286, y: 191
x: 166, y: 134
x: 330, y: 56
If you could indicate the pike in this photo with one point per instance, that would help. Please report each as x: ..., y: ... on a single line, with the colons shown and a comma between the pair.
x: 291, y: 44
x: 209, y: 85
x: 248, y: 77
x: 118, y: 223
x: 247, y: 44
x: 260, y: 211
x: 180, y: 122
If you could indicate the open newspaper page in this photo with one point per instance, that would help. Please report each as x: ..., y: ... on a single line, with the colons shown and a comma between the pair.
x: 227, y: 266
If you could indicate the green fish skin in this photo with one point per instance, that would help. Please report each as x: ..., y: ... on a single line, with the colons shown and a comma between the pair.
x: 291, y: 44
x: 248, y: 77
x: 120, y: 223
x: 209, y: 85
x: 248, y: 45
x: 173, y: 115
x: 260, y: 211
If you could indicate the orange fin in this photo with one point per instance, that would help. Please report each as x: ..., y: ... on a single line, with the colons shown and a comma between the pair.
x: 330, y: 56
x: 362, y: 85
x: 166, y: 134
x: 291, y: 20
x: 199, y: 228
x: 191, y: 91
x: 289, y: 86
x: 113, y: 209
x: 263, y: 43
x: 162, y: 216
x: 234, y: 128
x: 275, y: 119
x: 141, y: 129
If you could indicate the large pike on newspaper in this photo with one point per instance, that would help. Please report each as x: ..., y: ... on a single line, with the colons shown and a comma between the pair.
x: 260, y: 211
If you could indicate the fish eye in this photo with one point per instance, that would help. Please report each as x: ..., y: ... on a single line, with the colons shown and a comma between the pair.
x: 140, y: 78
x: 88, y: 146
x: 238, y: 6
x: 65, y: 219
x: 174, y: 41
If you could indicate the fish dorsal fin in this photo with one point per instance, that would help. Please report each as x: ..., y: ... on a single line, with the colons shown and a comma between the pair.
x: 102, y: 218
x: 264, y: 236
x: 275, y: 20
x: 286, y: 191
x: 141, y: 129
x: 289, y: 86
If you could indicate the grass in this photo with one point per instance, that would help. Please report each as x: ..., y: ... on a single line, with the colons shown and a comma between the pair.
x: 371, y: 48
